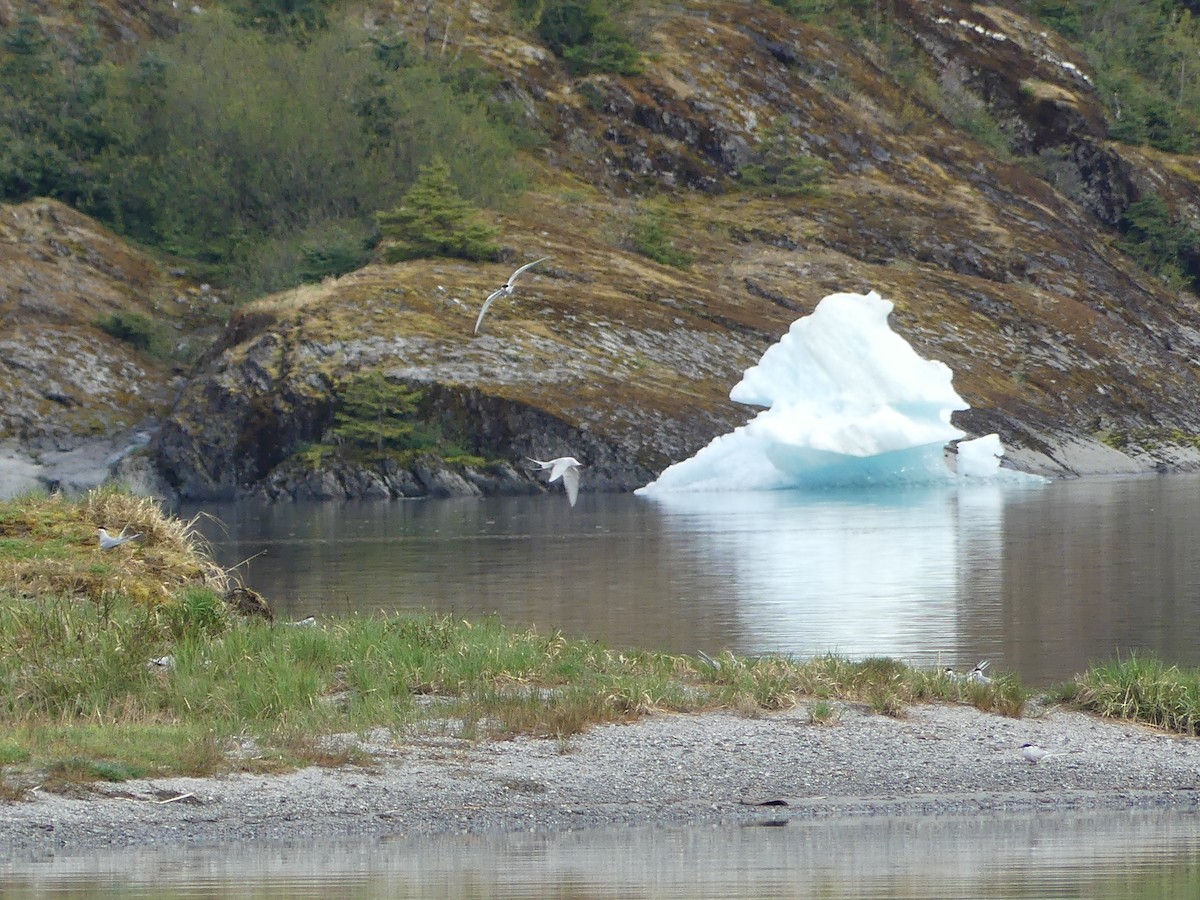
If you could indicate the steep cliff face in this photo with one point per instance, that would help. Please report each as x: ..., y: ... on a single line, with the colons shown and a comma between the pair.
x: 1002, y: 264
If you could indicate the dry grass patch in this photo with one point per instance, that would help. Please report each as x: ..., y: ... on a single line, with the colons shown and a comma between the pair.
x: 49, y: 547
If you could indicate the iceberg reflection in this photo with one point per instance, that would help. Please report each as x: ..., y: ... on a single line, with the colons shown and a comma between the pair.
x: 853, y: 572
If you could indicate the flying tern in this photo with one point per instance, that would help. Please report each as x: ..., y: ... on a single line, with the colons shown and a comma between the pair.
x: 107, y: 541
x: 564, y: 467
x: 505, y: 291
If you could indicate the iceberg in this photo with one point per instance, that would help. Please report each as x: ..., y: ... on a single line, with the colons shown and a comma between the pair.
x: 849, y: 403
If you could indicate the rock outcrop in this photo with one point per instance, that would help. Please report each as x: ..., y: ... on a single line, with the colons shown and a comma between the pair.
x: 78, y: 399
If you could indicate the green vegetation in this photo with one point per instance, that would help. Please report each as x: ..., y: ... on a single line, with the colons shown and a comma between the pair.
x: 433, y: 220
x: 651, y: 236
x: 289, y: 17
x: 109, y: 713
x: 586, y: 34
x: 259, y: 143
x: 375, y: 413
x: 1149, y: 438
x: 780, y: 164
x: 137, y: 330
x: 1146, y: 56
x: 377, y: 420
x: 822, y: 712
x: 1153, y: 237
x: 1147, y: 61
x: 1140, y: 689
x: 49, y: 548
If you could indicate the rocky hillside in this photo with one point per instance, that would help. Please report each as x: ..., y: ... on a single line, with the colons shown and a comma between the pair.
x: 1004, y: 264
x: 87, y: 327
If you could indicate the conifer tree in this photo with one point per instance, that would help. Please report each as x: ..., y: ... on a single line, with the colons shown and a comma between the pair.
x: 375, y: 413
x: 434, y: 220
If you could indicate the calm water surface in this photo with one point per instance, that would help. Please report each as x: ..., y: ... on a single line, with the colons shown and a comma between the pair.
x: 1116, y: 855
x: 1041, y: 580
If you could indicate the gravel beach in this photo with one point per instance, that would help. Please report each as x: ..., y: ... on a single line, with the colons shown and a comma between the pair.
x: 663, y: 769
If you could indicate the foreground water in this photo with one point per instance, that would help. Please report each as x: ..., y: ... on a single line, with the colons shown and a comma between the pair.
x: 1118, y: 855
x: 1041, y: 580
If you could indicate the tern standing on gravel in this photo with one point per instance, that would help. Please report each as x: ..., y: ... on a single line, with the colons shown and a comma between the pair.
x: 565, y: 467
x: 505, y: 291
x: 1034, y: 753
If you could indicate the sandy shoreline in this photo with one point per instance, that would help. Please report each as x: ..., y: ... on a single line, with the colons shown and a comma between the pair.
x: 938, y: 760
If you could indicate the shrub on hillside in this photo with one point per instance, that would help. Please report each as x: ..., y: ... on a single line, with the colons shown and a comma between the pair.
x: 135, y: 329
x: 1158, y: 242
x: 584, y: 33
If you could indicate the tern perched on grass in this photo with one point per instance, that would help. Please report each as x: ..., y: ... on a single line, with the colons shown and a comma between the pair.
x: 107, y: 541
x: 977, y: 674
x: 505, y: 291
x: 565, y: 467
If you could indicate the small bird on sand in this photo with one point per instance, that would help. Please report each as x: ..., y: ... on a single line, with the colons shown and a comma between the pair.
x: 505, y: 291
x: 107, y: 541
x: 1034, y: 753
x: 564, y: 467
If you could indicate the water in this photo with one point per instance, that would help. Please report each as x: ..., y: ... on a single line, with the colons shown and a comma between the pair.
x: 1040, y: 580
x: 1118, y: 855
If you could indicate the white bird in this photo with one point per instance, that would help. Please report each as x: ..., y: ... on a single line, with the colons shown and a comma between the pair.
x: 506, y: 290
x: 977, y: 673
x: 1034, y: 753
x: 564, y: 467
x: 951, y: 675
x: 107, y: 541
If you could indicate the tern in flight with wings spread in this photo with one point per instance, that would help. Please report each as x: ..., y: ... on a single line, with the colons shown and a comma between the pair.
x: 505, y: 291
x: 565, y: 467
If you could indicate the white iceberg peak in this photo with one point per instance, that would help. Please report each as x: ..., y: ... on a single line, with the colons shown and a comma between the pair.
x: 848, y: 403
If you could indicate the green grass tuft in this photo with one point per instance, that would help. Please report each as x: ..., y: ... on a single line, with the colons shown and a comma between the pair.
x: 1139, y: 689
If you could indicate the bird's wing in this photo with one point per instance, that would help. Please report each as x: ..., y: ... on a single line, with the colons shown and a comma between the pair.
x: 513, y: 276
x: 561, y: 466
x: 570, y: 479
x: 486, y: 304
